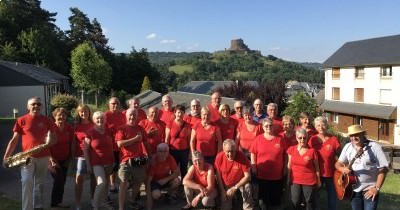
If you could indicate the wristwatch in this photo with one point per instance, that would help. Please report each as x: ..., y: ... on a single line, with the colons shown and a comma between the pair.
x: 236, y: 187
x: 377, y: 188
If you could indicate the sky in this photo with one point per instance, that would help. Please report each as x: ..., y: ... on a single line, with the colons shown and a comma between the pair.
x: 294, y: 30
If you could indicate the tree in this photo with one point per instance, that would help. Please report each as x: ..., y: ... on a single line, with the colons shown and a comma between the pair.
x: 300, y: 102
x: 90, y: 72
x: 146, y: 85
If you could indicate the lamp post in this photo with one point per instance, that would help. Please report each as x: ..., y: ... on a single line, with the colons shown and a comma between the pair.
x: 15, y: 112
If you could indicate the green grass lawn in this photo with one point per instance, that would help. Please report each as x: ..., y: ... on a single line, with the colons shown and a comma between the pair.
x: 181, y: 69
x: 7, y: 203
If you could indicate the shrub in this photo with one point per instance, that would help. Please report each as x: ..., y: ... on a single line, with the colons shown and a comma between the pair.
x: 65, y: 101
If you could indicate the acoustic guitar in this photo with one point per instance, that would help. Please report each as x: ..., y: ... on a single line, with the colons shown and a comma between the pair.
x: 344, y: 182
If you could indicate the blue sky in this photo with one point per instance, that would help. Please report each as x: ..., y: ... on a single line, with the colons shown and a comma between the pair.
x: 295, y: 30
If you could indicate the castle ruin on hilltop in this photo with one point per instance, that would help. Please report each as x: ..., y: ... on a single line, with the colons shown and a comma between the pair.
x: 238, y: 46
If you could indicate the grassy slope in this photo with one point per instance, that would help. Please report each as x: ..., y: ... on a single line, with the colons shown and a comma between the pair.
x: 181, y: 69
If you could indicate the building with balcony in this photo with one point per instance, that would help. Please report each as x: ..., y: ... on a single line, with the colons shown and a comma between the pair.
x: 362, y: 86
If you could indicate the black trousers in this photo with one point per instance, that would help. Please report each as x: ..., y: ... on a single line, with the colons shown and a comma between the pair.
x: 59, y: 175
x: 182, y: 158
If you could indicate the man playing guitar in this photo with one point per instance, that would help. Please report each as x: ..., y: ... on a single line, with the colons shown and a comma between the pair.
x: 369, y: 167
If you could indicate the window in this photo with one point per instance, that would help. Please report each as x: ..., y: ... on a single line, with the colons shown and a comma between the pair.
x: 384, y: 127
x: 358, y: 94
x: 336, y: 93
x: 336, y: 73
x: 335, y: 117
x: 358, y: 120
x: 386, y: 71
x: 359, y: 72
x: 385, y: 96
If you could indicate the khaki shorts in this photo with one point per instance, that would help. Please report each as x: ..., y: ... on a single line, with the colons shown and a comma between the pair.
x: 133, y: 175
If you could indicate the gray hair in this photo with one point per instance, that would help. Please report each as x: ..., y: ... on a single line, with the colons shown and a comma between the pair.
x: 162, y: 146
x: 320, y: 119
x: 34, y: 98
x: 197, y: 101
x: 99, y: 113
x: 247, y: 109
x: 197, y: 154
x: 135, y: 112
x: 165, y: 97
x: 301, y: 131
x: 267, y: 120
x: 229, y: 142
x: 273, y: 105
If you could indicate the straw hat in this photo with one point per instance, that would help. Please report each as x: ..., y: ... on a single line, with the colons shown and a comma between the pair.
x: 354, y: 129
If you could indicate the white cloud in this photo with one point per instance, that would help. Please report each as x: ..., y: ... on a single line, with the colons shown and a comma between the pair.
x: 275, y: 49
x: 151, y: 36
x: 168, y: 41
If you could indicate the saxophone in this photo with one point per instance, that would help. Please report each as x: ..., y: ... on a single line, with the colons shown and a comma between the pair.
x: 23, y: 158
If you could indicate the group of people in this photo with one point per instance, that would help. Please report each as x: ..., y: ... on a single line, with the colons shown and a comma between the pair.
x: 212, y: 155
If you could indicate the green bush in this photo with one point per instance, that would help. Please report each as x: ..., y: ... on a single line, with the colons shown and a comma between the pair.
x: 65, y: 101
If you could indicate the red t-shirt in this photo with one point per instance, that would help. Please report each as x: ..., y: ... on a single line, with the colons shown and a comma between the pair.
x: 290, y: 141
x: 100, y: 150
x: 269, y: 157
x: 134, y: 150
x: 61, y: 150
x: 161, y: 169
x: 166, y: 116
x: 154, y: 139
x: 214, y: 113
x: 182, y: 141
x: 201, y: 177
x: 232, y: 171
x: 191, y: 120
x: 113, y: 121
x: 238, y: 120
x: 228, y: 130
x: 206, y: 139
x: 278, y: 127
x: 246, y: 137
x: 326, y: 153
x: 33, y: 130
x: 303, y: 170
x: 80, y: 134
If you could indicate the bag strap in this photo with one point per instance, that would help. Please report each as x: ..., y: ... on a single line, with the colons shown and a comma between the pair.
x: 180, y: 129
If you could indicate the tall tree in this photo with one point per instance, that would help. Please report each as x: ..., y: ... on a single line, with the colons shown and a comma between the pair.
x: 300, y: 102
x: 90, y: 72
x: 98, y: 39
x: 80, y: 27
x: 146, y: 85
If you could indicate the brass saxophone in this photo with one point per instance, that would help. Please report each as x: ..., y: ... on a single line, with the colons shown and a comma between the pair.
x: 23, y: 158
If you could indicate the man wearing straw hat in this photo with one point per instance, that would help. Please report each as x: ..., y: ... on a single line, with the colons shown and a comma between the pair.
x: 369, y: 167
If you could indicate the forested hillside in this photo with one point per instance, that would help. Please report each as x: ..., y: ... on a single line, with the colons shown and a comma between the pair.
x: 225, y: 66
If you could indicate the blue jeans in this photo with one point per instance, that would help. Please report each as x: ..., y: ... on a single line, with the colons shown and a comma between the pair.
x: 330, y: 191
x: 358, y: 202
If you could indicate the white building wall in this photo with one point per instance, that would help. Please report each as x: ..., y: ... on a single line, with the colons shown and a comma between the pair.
x: 17, y: 97
x: 346, y: 84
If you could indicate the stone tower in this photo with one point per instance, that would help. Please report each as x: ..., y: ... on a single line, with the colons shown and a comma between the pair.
x: 237, y: 45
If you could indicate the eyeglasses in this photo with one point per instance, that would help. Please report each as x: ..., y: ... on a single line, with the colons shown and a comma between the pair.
x: 36, y: 104
x: 268, y: 125
x: 239, y: 107
x: 114, y: 103
x: 301, y: 137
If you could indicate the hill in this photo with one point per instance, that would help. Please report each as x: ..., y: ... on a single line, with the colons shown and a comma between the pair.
x: 223, y: 65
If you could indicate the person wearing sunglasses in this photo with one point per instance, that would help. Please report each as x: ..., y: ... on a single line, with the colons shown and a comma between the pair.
x: 34, y: 128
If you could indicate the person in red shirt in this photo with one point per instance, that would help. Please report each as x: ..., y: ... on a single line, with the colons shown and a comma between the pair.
x: 238, y: 115
x: 83, y: 123
x: 194, y: 116
x: 233, y: 174
x: 247, y: 132
x: 213, y: 106
x: 303, y: 172
x: 177, y: 136
x: 115, y: 118
x: 328, y: 149
x: 166, y: 112
x: 34, y: 129
x: 99, y: 157
x: 272, y: 112
x: 206, y: 137
x: 162, y: 174
x: 199, y: 183
x: 288, y: 134
x: 60, y: 156
x: 131, y: 139
x: 135, y: 104
x: 155, y: 129
x: 305, y: 122
x: 268, y: 158
x: 226, y: 124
